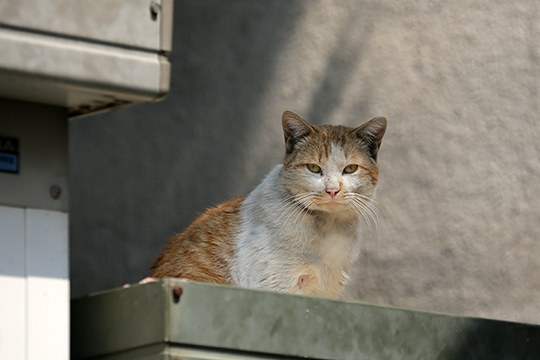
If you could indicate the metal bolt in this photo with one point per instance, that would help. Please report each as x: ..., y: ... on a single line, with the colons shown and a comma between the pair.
x: 155, y: 8
x: 177, y: 292
x: 55, y: 191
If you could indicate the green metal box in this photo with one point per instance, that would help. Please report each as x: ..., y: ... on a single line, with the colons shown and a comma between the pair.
x: 178, y: 319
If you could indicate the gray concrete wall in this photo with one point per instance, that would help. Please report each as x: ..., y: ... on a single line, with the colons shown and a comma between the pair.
x: 460, y: 164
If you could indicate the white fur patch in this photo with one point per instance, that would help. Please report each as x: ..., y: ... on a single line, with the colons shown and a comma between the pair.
x: 278, y: 243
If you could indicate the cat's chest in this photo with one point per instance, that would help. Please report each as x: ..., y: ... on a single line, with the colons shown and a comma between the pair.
x: 325, y: 270
x: 331, y: 250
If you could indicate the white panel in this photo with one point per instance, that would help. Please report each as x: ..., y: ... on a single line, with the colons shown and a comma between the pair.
x: 12, y: 284
x: 47, y: 285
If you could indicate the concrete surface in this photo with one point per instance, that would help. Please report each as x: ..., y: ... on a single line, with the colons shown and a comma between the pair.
x: 460, y: 164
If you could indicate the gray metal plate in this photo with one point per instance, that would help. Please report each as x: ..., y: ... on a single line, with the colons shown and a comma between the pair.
x: 235, y: 322
x: 133, y: 23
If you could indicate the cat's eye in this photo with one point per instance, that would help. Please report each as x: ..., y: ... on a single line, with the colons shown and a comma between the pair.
x: 314, y: 168
x: 349, y: 169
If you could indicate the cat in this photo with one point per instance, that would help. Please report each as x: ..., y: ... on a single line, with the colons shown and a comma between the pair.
x: 298, y: 230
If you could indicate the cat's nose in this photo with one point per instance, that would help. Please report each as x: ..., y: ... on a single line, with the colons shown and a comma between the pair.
x: 332, y: 192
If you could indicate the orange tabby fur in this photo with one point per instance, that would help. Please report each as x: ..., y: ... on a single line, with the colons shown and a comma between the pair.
x: 204, y: 250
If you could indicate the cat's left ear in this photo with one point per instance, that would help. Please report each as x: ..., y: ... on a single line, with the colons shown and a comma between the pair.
x: 371, y: 134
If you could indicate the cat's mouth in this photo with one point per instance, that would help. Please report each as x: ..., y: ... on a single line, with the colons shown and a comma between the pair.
x: 330, y: 202
x: 331, y: 205
x: 325, y: 203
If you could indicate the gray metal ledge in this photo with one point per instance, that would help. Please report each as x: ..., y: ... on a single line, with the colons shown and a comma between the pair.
x: 216, y: 322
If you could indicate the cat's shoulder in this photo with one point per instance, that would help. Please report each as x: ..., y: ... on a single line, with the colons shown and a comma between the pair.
x: 226, y: 209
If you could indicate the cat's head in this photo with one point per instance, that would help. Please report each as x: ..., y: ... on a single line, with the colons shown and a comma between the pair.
x: 331, y: 168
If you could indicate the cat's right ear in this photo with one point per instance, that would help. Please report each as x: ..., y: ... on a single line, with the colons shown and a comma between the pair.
x: 294, y: 129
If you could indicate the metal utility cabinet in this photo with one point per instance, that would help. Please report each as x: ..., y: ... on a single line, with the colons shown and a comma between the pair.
x: 60, y: 59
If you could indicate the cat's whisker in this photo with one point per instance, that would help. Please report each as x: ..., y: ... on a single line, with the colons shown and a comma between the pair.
x: 365, y: 197
x: 288, y: 210
x: 366, y: 209
x: 293, y: 208
x: 370, y: 203
x: 367, y: 219
x: 305, y: 201
x: 371, y: 210
x: 295, y: 216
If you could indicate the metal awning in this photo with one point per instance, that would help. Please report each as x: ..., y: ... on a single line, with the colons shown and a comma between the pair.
x: 88, y: 55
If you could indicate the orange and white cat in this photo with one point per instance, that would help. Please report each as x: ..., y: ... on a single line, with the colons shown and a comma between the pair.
x: 298, y: 231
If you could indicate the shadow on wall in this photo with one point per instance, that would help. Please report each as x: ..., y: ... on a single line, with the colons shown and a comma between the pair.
x: 140, y: 174
x: 316, y: 75
x: 344, y: 59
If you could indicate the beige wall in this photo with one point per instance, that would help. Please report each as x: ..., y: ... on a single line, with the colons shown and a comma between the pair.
x: 460, y: 165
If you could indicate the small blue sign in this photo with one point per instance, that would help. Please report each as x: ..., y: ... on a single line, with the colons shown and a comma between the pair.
x: 9, y: 155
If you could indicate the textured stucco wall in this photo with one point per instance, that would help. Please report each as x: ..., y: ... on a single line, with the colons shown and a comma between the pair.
x: 460, y: 165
